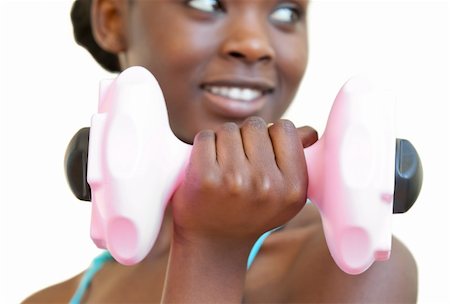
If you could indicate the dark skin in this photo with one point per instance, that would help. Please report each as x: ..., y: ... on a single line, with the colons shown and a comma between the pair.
x: 244, y: 177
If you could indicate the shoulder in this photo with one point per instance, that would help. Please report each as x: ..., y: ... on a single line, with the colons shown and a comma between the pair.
x: 59, y: 293
x: 295, y: 266
x: 318, y: 279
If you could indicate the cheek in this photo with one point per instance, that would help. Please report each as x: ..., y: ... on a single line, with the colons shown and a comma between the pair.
x: 175, y: 60
x: 185, y: 51
x: 292, y: 60
x: 292, y: 57
x: 165, y: 43
x: 178, y: 63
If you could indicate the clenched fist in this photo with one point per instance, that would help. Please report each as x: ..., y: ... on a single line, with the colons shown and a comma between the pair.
x: 242, y: 181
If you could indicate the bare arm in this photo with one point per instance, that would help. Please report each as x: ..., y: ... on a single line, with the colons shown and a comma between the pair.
x: 316, y: 278
x: 59, y: 293
x: 206, y: 273
x: 296, y: 267
x: 392, y: 281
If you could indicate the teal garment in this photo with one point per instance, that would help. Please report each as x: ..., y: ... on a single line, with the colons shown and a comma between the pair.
x: 96, y: 265
x: 256, y: 247
x: 103, y: 258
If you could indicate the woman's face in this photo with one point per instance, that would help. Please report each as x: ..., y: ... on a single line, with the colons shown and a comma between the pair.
x: 219, y: 60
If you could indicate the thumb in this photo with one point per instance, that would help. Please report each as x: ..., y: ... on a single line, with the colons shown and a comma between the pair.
x: 307, y: 135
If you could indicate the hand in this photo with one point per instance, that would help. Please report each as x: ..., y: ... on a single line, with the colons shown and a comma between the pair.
x: 242, y: 181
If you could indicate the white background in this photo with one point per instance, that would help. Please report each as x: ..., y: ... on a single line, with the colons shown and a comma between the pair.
x: 48, y: 90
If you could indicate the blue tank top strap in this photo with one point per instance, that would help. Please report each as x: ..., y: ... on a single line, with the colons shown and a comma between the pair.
x: 103, y: 258
x: 86, y: 280
x: 257, y: 246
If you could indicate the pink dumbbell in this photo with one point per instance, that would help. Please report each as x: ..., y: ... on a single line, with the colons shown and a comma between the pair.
x: 129, y: 163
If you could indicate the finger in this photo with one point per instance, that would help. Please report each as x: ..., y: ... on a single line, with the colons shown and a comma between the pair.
x: 256, y: 142
x: 203, y: 153
x: 229, y: 148
x: 288, y: 148
x: 307, y: 135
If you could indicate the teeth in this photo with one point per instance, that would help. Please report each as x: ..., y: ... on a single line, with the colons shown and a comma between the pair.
x: 245, y: 94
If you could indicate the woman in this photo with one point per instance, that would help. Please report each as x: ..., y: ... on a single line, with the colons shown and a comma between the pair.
x: 227, y: 68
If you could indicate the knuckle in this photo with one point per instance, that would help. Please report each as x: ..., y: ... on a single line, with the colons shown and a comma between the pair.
x: 208, y: 181
x: 265, y: 187
x: 234, y: 182
x: 294, y: 193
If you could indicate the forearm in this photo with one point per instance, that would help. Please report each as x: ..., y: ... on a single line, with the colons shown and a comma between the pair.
x: 205, y: 272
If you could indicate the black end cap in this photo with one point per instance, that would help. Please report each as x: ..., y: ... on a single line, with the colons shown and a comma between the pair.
x: 75, y: 164
x: 408, y: 176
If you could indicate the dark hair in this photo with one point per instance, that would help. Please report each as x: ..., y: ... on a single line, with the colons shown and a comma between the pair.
x: 82, y: 30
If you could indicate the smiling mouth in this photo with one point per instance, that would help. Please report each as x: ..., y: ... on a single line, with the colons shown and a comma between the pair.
x: 236, y: 93
x: 235, y: 101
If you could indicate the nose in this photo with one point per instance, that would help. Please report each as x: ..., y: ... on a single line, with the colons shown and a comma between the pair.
x: 248, y: 42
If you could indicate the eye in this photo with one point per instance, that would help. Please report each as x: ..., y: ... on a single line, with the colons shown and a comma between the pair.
x: 209, y: 6
x: 286, y: 14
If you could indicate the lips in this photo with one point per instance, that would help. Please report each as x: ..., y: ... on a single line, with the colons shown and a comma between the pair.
x: 237, y: 98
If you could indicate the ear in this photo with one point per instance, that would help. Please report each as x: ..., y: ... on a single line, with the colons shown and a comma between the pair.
x: 108, y: 25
